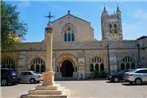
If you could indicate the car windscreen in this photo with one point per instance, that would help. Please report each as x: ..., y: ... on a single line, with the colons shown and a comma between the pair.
x: 133, y: 70
x: 13, y: 73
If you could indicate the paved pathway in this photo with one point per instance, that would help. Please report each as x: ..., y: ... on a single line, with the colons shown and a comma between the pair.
x: 84, y: 89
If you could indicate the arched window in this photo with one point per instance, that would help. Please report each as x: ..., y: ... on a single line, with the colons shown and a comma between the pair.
x: 69, y: 32
x: 102, y: 67
x: 91, y: 68
x: 37, y: 69
x: 73, y: 37
x: 96, y: 67
x: 127, y: 66
x: 32, y: 67
x: 110, y: 26
x: 132, y: 66
x: 115, y: 31
x: 122, y: 66
x: 69, y: 36
x: 42, y: 68
x: 98, y: 63
x: 8, y: 63
x: 65, y: 37
x: 127, y: 63
x: 115, y: 26
x: 37, y: 65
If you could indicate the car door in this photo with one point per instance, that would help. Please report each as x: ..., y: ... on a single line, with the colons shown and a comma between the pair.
x: 145, y: 75
x: 142, y: 74
x: 28, y: 76
x: 25, y: 77
x: 22, y: 76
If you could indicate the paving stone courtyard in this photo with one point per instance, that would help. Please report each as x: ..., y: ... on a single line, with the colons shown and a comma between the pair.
x: 85, y: 89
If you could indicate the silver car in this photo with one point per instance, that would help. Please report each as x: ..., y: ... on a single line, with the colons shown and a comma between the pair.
x: 30, y: 77
x: 137, y: 76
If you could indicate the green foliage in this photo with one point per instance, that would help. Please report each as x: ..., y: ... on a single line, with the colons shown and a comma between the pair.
x: 11, y: 28
x: 98, y: 75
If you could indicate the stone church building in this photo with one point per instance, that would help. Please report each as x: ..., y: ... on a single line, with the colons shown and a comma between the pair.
x: 76, y: 53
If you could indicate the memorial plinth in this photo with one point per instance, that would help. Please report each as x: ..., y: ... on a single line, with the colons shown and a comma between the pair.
x: 48, y: 89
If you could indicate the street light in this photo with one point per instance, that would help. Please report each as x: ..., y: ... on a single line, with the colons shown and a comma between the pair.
x: 108, y: 59
x: 138, y: 48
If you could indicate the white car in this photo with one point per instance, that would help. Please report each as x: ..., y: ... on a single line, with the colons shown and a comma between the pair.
x: 30, y: 77
x: 137, y: 76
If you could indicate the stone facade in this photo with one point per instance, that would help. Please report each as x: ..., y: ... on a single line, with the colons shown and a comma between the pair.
x: 77, y: 54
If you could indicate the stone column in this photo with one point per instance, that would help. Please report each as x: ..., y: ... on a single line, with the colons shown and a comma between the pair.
x: 48, y: 89
x: 49, y: 74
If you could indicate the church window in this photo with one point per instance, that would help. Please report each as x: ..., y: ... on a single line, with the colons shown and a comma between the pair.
x: 110, y: 30
x: 69, y: 29
x: 115, y: 26
x: 69, y: 36
x: 42, y: 68
x: 96, y: 67
x: 65, y: 37
x: 8, y: 63
x: 73, y: 37
x: 98, y: 63
x: 110, y: 26
x: 102, y: 67
x: 132, y: 66
x: 69, y: 32
x: 127, y: 63
x: 91, y: 68
x: 122, y: 66
x: 32, y: 67
x: 37, y: 68
x: 13, y: 66
x: 38, y: 65
x: 127, y: 66
x: 115, y: 31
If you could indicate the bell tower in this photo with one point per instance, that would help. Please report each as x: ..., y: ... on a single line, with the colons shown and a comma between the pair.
x: 111, y: 25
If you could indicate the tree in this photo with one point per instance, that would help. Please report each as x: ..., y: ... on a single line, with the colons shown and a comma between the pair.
x: 12, y: 30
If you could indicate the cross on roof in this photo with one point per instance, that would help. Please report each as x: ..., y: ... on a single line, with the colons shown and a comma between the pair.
x: 49, y: 17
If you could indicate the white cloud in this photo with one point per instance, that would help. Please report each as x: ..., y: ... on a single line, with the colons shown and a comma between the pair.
x: 140, y: 14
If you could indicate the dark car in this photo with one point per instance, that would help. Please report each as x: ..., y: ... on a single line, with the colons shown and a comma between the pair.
x: 9, y: 76
x: 117, y: 76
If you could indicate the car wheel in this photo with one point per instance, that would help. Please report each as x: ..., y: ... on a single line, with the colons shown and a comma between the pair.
x: 138, y: 81
x: 32, y: 81
x: 4, y: 82
x: 116, y: 79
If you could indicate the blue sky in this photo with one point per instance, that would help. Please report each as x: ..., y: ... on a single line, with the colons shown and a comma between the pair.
x: 134, y: 15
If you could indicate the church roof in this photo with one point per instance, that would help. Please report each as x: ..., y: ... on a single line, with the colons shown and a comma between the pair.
x: 69, y: 14
x: 142, y: 37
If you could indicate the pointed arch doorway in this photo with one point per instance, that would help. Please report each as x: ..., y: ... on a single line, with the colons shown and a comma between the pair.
x: 67, y: 69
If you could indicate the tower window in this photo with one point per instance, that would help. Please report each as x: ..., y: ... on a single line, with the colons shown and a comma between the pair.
x: 115, y: 26
x: 115, y: 31
x: 110, y: 26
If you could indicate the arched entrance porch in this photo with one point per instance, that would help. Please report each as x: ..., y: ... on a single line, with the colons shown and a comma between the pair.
x: 67, y: 69
x: 66, y: 66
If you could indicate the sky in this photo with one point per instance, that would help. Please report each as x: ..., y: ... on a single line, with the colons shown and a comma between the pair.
x: 33, y: 12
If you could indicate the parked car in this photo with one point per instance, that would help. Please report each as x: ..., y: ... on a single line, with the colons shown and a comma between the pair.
x: 30, y: 77
x: 137, y: 76
x: 117, y: 76
x: 9, y: 76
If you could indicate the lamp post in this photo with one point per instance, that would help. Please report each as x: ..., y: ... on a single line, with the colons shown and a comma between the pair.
x: 138, y: 50
x: 108, y: 59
